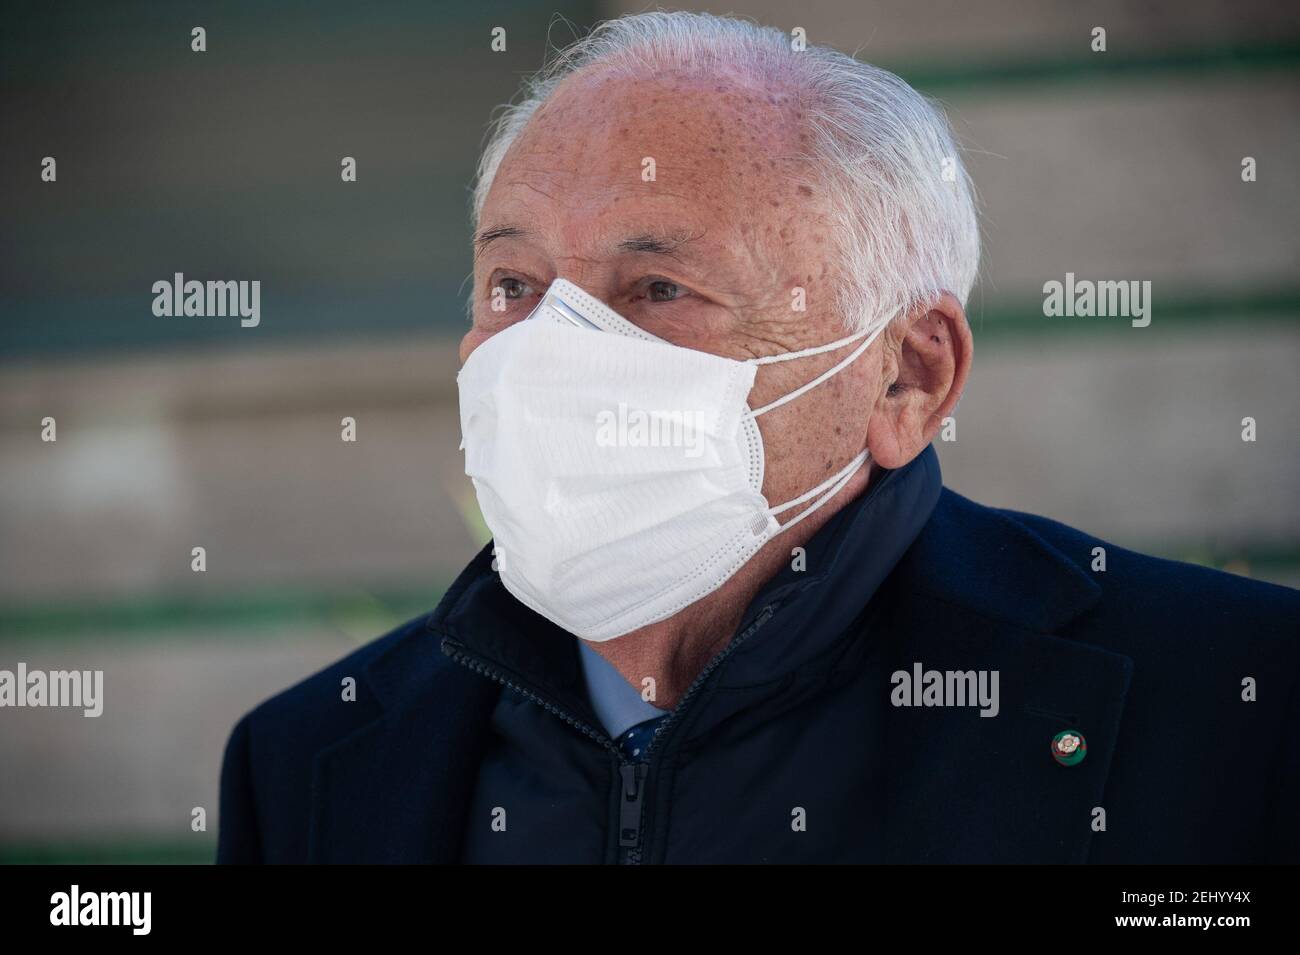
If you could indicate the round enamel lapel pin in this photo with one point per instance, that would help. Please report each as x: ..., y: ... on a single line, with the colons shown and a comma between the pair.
x: 1069, y: 747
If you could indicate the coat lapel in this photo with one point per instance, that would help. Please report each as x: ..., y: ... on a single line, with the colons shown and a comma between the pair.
x: 980, y: 591
x: 396, y: 790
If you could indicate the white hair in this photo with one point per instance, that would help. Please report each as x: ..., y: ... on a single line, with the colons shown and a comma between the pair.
x: 902, y: 201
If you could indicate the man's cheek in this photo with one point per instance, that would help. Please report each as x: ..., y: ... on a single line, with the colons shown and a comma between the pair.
x: 473, y: 338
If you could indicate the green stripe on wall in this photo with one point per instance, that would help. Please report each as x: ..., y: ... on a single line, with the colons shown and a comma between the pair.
x: 247, y: 614
x: 1088, y: 67
x: 166, y: 618
x: 142, y: 851
x: 1177, y: 311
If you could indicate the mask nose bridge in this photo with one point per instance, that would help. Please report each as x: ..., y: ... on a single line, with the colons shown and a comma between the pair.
x: 574, y: 304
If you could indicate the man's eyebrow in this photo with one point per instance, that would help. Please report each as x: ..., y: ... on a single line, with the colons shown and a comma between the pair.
x: 656, y: 244
x: 488, y: 236
x: 649, y: 242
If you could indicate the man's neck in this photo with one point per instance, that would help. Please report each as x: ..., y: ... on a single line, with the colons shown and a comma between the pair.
x: 672, y: 652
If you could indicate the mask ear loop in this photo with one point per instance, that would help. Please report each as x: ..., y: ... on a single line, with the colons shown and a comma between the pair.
x: 836, y: 482
x: 816, y: 350
x: 832, y: 486
x: 834, y: 369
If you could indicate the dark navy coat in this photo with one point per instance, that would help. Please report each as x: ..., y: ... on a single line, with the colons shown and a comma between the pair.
x: 1146, y: 660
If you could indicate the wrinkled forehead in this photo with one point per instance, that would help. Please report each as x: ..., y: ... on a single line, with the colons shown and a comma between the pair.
x: 719, y: 155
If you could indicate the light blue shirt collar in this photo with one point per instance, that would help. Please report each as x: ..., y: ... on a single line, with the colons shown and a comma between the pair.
x: 617, y: 703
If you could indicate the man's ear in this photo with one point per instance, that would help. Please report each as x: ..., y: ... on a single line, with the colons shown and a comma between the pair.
x: 924, y: 374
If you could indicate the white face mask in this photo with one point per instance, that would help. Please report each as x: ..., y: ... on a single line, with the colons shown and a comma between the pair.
x: 621, y: 475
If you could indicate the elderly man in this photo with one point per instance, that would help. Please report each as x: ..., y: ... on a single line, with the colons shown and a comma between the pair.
x: 730, y: 613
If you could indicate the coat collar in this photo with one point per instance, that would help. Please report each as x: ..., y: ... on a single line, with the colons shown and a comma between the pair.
x: 977, y: 590
x: 988, y: 561
x: 841, y: 568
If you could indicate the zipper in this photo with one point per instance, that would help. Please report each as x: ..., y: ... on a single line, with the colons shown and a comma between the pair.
x: 631, y: 806
x: 458, y: 653
x: 763, y: 616
x: 630, y: 810
x: 632, y: 774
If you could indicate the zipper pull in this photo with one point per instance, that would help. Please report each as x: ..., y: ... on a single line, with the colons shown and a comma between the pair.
x: 629, y: 815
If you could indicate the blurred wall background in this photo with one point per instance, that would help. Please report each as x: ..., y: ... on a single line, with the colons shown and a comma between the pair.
x: 183, y: 432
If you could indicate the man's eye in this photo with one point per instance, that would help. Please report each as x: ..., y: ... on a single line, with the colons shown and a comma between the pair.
x: 663, y: 291
x: 512, y: 288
